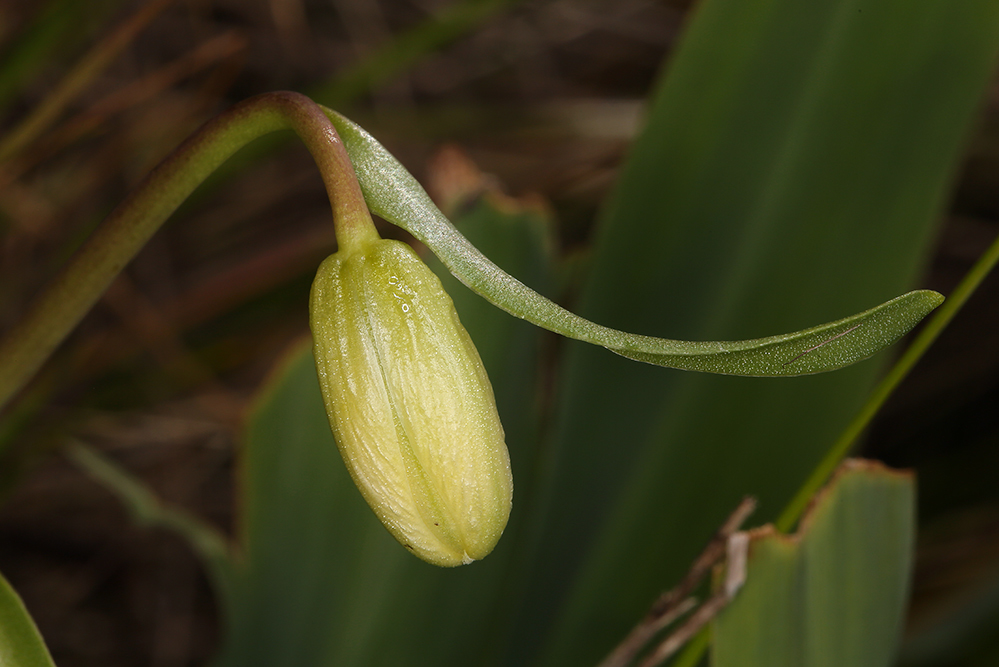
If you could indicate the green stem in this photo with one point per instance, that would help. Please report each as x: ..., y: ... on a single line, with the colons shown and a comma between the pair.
x: 125, y: 231
x: 929, y: 333
x: 695, y: 650
x: 698, y: 645
x: 146, y: 509
x: 884, y: 389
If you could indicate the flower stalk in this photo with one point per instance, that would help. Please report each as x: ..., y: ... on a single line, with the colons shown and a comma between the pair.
x: 126, y: 230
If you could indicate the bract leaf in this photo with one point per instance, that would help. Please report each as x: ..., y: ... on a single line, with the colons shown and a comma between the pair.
x: 393, y: 193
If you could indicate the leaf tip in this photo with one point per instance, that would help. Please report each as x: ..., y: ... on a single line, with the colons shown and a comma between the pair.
x: 930, y: 298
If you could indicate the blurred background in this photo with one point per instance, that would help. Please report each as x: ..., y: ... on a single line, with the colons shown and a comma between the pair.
x: 534, y: 99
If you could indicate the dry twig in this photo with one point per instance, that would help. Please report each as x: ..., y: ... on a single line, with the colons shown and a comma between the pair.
x: 676, y: 602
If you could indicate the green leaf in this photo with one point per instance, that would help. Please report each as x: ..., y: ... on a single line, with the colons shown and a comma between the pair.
x: 321, y: 582
x: 20, y: 643
x: 394, y: 194
x: 795, y: 161
x: 306, y: 534
x: 834, y: 594
x: 518, y: 239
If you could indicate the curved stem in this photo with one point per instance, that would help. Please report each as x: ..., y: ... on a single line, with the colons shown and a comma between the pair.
x: 926, y: 336
x: 125, y: 231
x: 824, y: 470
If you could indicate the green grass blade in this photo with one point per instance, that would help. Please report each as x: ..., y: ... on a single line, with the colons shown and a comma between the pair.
x: 20, y: 643
x: 922, y: 342
x: 394, y: 194
x: 146, y: 509
x: 82, y: 74
x: 835, y: 594
x: 54, y: 26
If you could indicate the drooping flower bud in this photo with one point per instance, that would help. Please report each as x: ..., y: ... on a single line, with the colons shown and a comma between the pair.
x: 409, y: 403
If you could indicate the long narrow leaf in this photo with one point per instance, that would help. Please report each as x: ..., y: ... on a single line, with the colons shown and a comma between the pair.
x: 394, y: 194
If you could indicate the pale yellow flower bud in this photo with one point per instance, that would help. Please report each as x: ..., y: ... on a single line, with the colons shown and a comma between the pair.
x: 409, y: 403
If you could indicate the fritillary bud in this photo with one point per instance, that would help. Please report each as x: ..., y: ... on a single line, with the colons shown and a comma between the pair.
x: 409, y: 403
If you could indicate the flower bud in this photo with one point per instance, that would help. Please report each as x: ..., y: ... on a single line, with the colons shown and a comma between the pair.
x: 409, y: 403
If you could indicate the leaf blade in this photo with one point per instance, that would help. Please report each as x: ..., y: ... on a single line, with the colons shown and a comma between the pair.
x: 21, y: 644
x: 393, y: 193
x: 793, y: 166
x: 835, y: 593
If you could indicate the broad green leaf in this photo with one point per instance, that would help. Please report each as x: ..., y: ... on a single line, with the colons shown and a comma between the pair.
x: 20, y: 643
x: 305, y: 531
x: 394, y: 194
x: 834, y: 594
x: 320, y: 581
x: 796, y: 158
